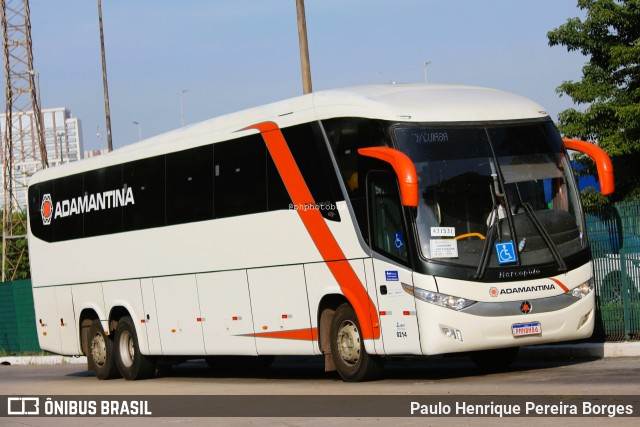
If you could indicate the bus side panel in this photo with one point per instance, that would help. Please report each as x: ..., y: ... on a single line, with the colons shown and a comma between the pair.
x: 127, y: 294
x: 69, y: 338
x: 48, y: 323
x: 280, y: 310
x: 227, y: 323
x: 398, y: 319
x: 179, y: 317
x: 151, y: 316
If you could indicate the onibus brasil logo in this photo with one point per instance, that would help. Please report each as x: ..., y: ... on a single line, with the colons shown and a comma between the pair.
x: 84, y: 204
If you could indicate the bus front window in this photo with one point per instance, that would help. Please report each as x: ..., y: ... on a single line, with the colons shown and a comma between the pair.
x: 502, y: 183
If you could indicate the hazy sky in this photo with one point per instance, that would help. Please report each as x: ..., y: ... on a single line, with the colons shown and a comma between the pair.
x: 236, y: 54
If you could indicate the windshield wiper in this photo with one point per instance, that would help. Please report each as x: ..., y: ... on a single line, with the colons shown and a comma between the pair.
x: 553, y: 248
x: 486, y: 248
x: 491, y: 234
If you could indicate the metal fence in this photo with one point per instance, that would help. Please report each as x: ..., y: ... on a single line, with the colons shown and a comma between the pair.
x: 614, y: 234
x: 17, y: 319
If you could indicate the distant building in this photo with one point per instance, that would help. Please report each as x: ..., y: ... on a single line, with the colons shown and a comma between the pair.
x: 63, y: 136
x: 63, y: 139
x: 95, y: 153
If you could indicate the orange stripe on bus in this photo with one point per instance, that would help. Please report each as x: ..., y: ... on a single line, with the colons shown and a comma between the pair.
x: 296, y: 334
x: 325, y: 242
x: 559, y: 283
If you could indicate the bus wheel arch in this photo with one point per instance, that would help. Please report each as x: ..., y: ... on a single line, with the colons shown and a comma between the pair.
x: 326, y: 310
x: 117, y: 312
x: 87, y: 316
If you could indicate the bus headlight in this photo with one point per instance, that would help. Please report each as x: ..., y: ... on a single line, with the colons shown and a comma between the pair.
x: 582, y: 290
x: 443, y: 300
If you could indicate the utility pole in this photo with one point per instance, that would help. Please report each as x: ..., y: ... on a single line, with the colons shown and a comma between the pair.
x: 107, y: 111
x: 24, y: 149
x: 304, y: 48
x: 426, y: 63
x: 182, y: 92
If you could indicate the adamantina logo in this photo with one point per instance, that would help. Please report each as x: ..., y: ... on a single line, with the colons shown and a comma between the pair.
x: 46, y: 209
x: 84, y: 204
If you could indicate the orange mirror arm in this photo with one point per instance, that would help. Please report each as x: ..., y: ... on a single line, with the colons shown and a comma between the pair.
x: 601, y: 159
x: 403, y: 167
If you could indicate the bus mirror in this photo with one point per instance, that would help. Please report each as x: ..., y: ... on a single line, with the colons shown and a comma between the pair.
x: 403, y: 167
x: 601, y: 159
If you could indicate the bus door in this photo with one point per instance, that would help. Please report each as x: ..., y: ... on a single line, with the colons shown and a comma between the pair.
x: 391, y: 265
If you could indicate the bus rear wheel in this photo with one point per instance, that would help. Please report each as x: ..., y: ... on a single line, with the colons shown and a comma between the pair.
x: 347, y: 348
x: 132, y: 364
x: 100, y: 357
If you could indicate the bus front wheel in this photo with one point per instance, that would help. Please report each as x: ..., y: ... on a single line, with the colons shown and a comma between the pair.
x: 347, y: 348
x: 132, y: 364
x: 100, y: 357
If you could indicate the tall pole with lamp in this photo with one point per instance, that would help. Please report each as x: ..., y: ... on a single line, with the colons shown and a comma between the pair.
x: 304, y: 48
x: 107, y: 111
x: 182, y: 92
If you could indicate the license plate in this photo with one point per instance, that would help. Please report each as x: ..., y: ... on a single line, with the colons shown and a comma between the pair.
x: 524, y: 329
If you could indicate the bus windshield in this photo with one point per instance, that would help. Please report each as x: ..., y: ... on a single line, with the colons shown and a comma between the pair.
x: 481, y: 187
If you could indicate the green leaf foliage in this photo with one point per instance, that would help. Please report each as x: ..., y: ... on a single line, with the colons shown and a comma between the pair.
x: 17, y: 265
x: 609, y: 92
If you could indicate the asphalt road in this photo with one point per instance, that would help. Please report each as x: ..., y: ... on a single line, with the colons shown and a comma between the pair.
x: 305, y: 376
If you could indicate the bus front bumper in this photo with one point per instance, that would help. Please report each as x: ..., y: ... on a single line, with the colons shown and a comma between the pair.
x: 444, y: 330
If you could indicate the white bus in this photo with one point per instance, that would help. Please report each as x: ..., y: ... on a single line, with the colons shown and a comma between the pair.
x: 358, y: 224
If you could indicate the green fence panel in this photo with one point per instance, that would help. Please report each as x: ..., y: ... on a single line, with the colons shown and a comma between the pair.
x: 8, y: 322
x: 18, y: 332
x: 614, y: 235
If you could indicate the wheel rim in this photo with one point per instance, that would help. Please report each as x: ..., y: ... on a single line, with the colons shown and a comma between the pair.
x: 98, y: 349
x: 349, y: 342
x: 126, y: 348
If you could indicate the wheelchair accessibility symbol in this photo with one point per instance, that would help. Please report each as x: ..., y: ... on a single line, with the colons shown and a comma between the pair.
x: 398, y: 241
x: 506, y: 252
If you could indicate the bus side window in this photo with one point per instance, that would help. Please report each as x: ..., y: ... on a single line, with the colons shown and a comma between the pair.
x: 189, y: 185
x: 146, y: 177
x: 388, y: 232
x: 105, y: 220
x: 346, y: 135
x: 240, y: 177
x: 312, y: 157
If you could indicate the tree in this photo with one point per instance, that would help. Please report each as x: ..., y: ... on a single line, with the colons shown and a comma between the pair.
x: 610, y: 85
x: 18, y: 256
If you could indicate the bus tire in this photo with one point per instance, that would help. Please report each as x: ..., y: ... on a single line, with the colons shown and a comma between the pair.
x: 496, y: 359
x: 132, y: 364
x: 100, y: 357
x: 347, y: 348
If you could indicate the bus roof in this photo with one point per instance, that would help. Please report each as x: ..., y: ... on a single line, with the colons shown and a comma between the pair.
x: 435, y: 103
